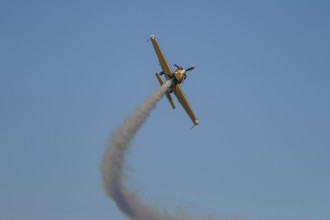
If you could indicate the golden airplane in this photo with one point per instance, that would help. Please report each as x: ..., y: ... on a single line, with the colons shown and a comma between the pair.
x: 177, y: 77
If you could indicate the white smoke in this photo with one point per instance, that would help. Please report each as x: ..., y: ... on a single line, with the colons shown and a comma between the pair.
x: 114, y: 159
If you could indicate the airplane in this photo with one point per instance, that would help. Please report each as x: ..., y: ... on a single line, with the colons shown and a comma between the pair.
x: 177, y: 77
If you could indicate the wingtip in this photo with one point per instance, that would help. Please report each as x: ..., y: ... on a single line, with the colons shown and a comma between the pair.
x: 152, y: 36
x: 196, y: 121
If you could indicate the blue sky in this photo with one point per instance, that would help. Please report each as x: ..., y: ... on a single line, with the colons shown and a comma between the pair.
x: 72, y: 71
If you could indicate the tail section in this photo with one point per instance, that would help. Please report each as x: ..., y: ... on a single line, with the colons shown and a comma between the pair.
x: 168, y: 96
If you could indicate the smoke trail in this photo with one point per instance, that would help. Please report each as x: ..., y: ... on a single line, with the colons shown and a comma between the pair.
x: 113, y: 164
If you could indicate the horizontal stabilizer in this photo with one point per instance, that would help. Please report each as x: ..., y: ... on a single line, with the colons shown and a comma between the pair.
x: 168, y: 96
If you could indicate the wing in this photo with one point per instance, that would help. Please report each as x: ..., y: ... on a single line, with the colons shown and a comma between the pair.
x: 162, y: 60
x: 185, y: 104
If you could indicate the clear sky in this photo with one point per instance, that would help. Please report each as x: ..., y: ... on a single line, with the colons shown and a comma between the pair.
x: 71, y: 71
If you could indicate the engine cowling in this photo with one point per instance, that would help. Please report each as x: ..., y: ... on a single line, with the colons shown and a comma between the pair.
x: 180, y: 75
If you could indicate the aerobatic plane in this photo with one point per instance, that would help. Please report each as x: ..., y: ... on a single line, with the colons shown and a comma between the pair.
x: 177, y: 77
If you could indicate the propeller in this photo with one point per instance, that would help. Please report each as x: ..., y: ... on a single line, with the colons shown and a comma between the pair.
x: 181, y: 68
x: 191, y: 68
